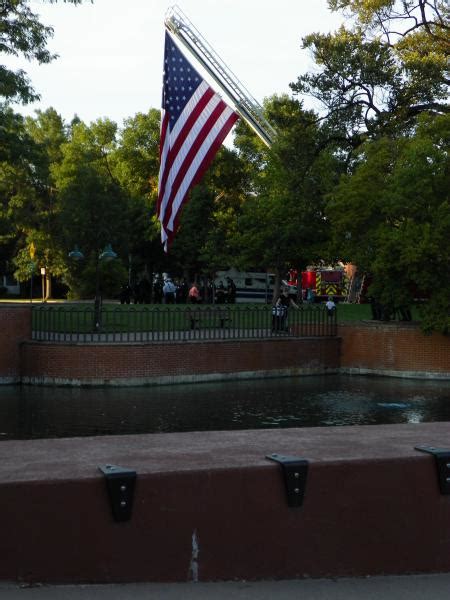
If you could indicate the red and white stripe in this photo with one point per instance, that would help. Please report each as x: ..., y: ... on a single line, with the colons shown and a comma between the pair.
x: 186, y: 151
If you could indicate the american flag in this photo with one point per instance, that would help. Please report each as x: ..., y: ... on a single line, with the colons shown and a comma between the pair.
x: 194, y: 123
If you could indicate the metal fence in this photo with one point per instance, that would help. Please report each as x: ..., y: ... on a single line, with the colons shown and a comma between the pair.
x: 135, y: 323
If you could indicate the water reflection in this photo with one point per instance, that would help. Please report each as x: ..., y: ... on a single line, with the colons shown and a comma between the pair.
x: 46, y: 412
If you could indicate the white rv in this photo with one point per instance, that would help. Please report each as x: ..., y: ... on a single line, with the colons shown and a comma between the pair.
x: 10, y: 284
x: 251, y: 286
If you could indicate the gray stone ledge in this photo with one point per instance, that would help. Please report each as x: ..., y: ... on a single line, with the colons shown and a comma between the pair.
x: 177, y: 379
x: 394, y: 373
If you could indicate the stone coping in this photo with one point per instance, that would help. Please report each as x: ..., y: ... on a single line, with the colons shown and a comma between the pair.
x: 79, y: 458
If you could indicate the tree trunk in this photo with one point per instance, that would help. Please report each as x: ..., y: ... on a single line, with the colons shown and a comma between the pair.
x: 48, y: 286
x: 277, y: 285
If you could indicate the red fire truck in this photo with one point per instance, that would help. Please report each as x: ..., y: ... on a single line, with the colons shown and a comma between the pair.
x: 321, y: 282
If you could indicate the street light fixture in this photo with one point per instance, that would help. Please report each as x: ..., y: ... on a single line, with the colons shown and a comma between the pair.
x: 106, y: 255
x: 76, y: 254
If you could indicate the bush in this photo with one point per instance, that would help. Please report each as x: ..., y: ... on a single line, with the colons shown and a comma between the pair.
x: 111, y: 275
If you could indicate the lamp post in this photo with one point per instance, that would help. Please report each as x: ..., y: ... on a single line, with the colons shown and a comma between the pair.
x: 106, y: 255
x: 43, y: 283
x: 31, y: 269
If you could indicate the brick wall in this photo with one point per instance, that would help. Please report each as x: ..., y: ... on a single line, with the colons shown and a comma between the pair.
x: 391, y: 348
x: 369, y: 347
x: 164, y: 363
x: 15, y: 327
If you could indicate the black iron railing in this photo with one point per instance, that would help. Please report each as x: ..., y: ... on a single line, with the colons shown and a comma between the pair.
x: 136, y: 323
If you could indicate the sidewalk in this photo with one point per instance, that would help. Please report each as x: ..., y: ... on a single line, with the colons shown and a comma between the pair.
x: 412, y: 587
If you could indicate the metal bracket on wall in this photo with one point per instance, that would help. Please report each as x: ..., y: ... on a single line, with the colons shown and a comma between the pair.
x: 120, y: 483
x: 442, y: 456
x: 295, y: 471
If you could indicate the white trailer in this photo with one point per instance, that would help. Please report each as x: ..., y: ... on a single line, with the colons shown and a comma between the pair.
x: 251, y: 286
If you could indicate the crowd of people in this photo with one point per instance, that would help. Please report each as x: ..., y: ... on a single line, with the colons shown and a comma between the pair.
x: 166, y: 290
x: 169, y: 291
x: 288, y: 298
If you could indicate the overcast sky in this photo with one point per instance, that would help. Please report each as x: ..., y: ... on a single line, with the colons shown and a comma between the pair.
x: 111, y: 51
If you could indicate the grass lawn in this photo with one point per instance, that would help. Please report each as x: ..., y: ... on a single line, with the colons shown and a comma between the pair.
x: 353, y: 312
x: 363, y: 312
x: 71, y: 317
x: 115, y: 316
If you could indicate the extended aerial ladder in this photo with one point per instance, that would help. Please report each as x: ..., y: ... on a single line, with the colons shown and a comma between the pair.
x: 243, y: 102
x: 355, y: 288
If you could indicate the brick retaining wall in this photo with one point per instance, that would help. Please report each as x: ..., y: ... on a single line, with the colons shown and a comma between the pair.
x: 15, y: 327
x: 398, y: 349
x: 393, y: 349
x: 129, y: 364
x: 210, y: 506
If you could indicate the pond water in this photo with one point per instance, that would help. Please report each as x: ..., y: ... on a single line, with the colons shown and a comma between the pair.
x: 28, y: 412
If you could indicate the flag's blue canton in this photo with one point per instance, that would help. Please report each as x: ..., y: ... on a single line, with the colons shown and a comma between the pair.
x: 180, y: 81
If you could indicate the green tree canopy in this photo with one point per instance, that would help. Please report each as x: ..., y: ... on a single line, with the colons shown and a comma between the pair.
x: 93, y: 204
x: 392, y: 217
x: 17, y: 184
x: 29, y: 202
x: 204, y: 241
x: 21, y: 34
x: 384, y: 71
x: 283, y: 224
x: 136, y: 166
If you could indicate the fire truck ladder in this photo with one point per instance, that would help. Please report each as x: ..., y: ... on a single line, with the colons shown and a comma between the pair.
x: 355, y: 289
x: 350, y: 290
x: 245, y: 105
x: 360, y: 291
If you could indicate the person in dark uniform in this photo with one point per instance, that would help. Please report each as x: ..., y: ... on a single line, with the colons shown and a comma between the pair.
x: 280, y: 311
x: 231, y: 291
x: 125, y: 294
x: 157, y: 291
x: 182, y: 292
x: 220, y: 294
x: 145, y: 290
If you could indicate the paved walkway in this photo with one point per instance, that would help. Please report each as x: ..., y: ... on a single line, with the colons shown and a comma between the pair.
x: 412, y: 587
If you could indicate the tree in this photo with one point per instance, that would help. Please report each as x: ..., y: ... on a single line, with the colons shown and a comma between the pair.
x: 384, y: 85
x: 283, y: 225
x: 392, y: 217
x: 49, y: 133
x: 21, y: 34
x: 93, y: 204
x: 19, y: 192
x: 229, y: 180
x: 135, y: 163
x: 379, y: 75
x: 186, y: 251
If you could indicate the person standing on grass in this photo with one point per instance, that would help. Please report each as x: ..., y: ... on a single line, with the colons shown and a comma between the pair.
x: 194, y: 294
x: 331, y: 306
x: 169, y: 290
x: 280, y: 311
x: 220, y: 293
x: 231, y: 291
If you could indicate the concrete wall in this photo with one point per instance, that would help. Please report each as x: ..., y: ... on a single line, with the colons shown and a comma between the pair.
x: 209, y: 506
